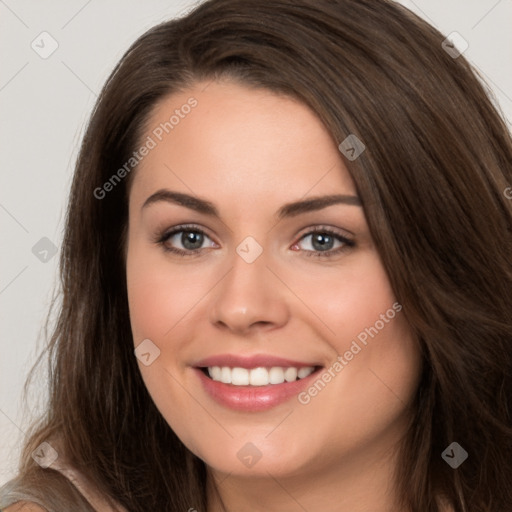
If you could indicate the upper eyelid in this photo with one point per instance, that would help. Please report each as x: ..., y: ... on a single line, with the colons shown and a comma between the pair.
x: 184, y: 227
x: 323, y: 228
x: 197, y: 227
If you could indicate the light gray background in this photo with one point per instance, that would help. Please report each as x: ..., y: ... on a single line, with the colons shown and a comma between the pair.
x: 44, y: 105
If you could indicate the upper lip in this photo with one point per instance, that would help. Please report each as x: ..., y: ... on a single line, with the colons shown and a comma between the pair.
x: 253, y: 361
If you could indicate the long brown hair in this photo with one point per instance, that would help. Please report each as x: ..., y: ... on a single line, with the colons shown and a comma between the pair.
x: 432, y: 180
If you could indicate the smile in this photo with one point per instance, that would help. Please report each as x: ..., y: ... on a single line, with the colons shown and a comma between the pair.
x: 253, y: 383
x: 258, y: 376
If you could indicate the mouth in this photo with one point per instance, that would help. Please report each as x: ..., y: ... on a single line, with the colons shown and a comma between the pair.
x: 259, y: 376
x: 256, y: 383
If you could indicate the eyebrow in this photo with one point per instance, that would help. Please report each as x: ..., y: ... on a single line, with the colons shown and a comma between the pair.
x: 288, y: 210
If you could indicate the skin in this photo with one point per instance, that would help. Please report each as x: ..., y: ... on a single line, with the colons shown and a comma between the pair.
x: 250, y: 151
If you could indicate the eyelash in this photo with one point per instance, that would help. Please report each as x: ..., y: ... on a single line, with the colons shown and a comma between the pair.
x: 164, y: 237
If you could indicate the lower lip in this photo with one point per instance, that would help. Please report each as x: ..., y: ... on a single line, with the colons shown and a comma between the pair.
x: 253, y: 398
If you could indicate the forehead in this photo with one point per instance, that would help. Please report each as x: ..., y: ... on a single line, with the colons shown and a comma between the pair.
x: 223, y: 139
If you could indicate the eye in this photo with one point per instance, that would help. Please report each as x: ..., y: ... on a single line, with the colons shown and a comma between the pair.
x: 189, y: 240
x: 184, y: 240
x: 323, y: 242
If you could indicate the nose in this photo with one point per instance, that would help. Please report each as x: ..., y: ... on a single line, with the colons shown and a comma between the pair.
x: 249, y: 298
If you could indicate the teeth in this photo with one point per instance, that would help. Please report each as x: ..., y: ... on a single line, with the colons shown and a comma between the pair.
x: 304, y: 372
x: 290, y: 374
x: 215, y: 372
x: 276, y: 375
x: 225, y: 375
x: 239, y: 376
x: 258, y: 376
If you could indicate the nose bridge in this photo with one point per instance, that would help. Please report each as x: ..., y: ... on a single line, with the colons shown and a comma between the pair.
x: 248, y: 294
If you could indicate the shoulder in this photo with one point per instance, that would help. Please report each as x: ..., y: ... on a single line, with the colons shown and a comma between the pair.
x: 24, y: 506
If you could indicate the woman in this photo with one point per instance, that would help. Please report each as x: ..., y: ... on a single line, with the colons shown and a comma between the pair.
x: 286, y: 275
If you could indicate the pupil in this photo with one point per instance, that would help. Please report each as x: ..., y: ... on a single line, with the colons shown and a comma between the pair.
x: 192, y: 240
x: 322, y: 242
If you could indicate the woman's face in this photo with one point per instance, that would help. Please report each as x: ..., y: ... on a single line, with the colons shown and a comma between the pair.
x: 275, y: 278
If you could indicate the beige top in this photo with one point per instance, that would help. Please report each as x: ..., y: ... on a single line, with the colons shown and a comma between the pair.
x: 81, y: 482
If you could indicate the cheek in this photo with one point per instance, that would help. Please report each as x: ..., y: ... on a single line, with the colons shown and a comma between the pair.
x: 150, y: 307
x: 360, y: 318
x: 158, y: 297
x: 347, y: 299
